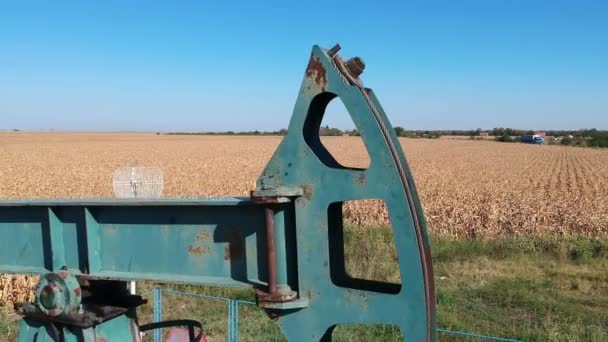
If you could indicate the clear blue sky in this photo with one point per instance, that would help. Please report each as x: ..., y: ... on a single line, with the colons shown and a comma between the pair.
x: 210, y: 65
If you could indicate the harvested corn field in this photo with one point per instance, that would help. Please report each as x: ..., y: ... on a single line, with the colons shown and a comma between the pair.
x: 468, y: 188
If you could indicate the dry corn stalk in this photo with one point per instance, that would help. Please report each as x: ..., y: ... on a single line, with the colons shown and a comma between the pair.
x: 468, y: 188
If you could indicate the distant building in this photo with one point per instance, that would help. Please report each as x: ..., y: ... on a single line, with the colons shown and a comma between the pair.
x: 540, y: 134
x: 484, y: 134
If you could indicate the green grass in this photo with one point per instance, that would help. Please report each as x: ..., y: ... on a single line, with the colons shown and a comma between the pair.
x: 8, y: 325
x: 532, y: 289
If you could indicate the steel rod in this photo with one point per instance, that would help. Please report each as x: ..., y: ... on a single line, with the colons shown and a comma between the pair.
x: 272, y: 252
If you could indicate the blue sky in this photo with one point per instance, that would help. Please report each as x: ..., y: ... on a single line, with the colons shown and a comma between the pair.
x: 238, y: 66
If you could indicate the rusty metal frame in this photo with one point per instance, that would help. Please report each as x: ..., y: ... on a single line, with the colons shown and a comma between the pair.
x: 286, y: 240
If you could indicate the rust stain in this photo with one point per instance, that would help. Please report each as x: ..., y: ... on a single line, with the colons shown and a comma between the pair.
x: 227, y: 252
x: 164, y: 231
x: 316, y: 71
x: 46, y: 291
x: 77, y: 292
x: 307, y: 191
x: 203, y: 235
x: 198, y: 250
x: 235, y: 248
x: 110, y: 229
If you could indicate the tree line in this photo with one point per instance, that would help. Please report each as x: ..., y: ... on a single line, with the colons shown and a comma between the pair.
x: 582, y: 137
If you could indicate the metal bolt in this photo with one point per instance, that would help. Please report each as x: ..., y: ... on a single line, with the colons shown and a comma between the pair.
x: 355, y: 66
x: 48, y: 297
x: 334, y: 50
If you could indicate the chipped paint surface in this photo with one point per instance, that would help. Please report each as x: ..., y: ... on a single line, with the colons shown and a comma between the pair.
x: 307, y: 191
x: 342, y: 298
x: 135, y: 240
x: 203, y: 235
x: 357, y: 297
x: 198, y: 250
x: 316, y: 71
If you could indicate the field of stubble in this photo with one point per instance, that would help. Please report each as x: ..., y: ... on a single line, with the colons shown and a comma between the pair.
x: 468, y: 188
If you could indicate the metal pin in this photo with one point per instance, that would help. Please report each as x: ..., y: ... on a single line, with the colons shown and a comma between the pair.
x: 272, y: 252
x: 355, y: 66
x: 334, y: 50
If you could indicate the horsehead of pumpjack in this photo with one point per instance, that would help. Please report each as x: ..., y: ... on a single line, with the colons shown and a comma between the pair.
x: 286, y: 240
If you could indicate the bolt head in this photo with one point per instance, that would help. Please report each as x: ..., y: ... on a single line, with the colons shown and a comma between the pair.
x: 355, y: 66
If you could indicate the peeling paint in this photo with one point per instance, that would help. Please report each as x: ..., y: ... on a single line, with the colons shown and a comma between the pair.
x: 198, y: 250
x: 307, y: 188
x: 317, y: 72
x: 203, y: 235
x: 227, y: 252
x: 357, y: 297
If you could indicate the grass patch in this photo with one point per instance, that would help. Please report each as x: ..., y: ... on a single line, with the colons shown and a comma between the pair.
x: 562, y: 248
x: 531, y: 289
x: 8, y: 326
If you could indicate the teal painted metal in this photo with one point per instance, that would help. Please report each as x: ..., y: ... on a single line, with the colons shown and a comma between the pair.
x: 286, y: 240
x: 158, y: 312
x: 302, y: 161
x: 211, y: 242
x: 58, y: 295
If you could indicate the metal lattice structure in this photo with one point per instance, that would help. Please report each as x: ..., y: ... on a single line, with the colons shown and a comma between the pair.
x: 137, y: 182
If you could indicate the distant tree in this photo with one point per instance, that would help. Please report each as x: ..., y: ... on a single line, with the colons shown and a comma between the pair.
x: 566, y: 141
x: 504, y: 138
x: 354, y: 133
x: 400, y: 131
x: 329, y: 131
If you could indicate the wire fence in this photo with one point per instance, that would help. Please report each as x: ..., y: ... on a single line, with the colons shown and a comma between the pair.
x: 232, y: 322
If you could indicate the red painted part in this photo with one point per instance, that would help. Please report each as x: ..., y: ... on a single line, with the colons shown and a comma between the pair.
x: 180, y: 335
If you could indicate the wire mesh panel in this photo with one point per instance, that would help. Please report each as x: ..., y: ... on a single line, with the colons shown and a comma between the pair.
x: 253, y: 324
x: 137, y: 182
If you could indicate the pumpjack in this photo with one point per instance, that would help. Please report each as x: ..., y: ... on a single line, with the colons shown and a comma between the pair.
x: 286, y: 239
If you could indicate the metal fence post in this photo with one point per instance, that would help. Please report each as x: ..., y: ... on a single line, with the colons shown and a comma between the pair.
x: 235, y: 314
x: 158, y: 313
x: 233, y: 320
x: 230, y: 335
